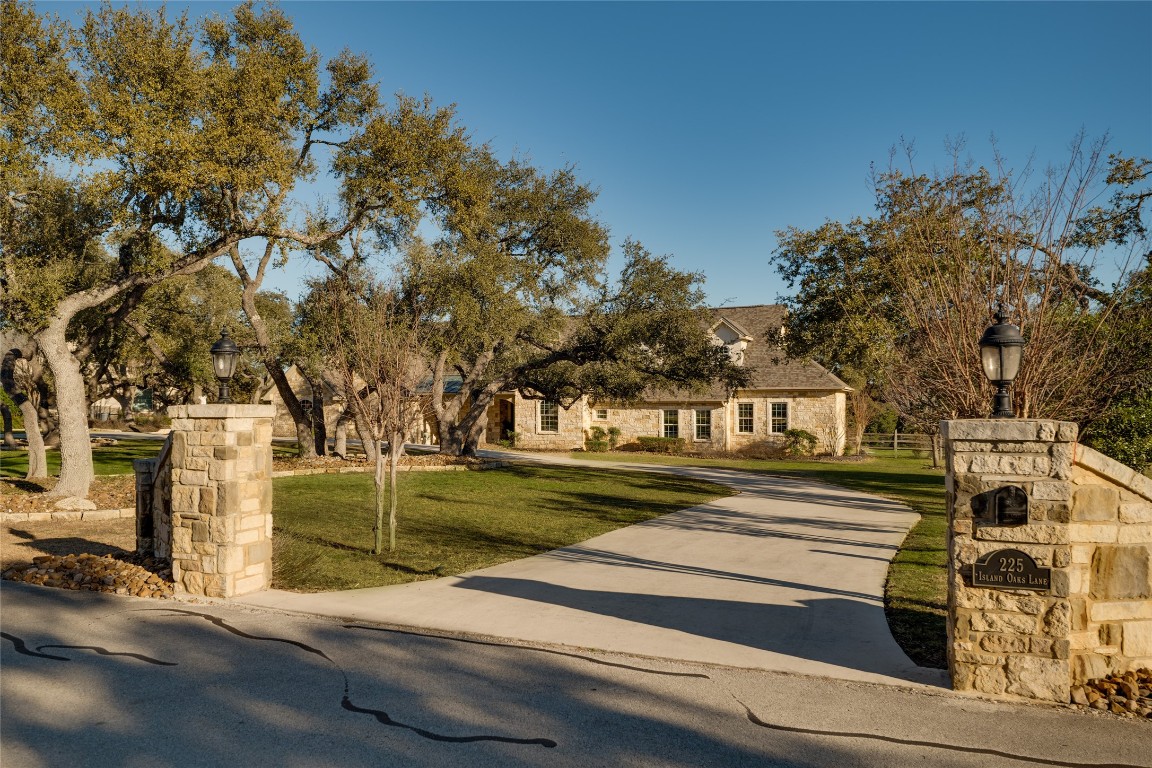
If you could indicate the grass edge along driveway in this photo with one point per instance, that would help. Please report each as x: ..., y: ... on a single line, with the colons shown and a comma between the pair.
x: 454, y: 522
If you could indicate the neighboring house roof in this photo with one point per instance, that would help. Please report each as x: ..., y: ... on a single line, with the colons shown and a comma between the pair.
x: 771, y: 367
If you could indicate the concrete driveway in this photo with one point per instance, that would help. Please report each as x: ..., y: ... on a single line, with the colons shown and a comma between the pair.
x: 787, y: 575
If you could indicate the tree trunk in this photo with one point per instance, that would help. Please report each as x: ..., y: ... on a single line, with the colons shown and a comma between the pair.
x: 72, y: 405
x: 319, y: 428
x: 305, y: 442
x: 378, y: 480
x: 341, y: 449
x: 9, y: 437
x: 37, y: 456
x: 396, y: 448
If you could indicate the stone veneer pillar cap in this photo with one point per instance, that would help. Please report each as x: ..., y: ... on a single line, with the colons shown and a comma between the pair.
x: 222, y: 411
x: 1009, y: 430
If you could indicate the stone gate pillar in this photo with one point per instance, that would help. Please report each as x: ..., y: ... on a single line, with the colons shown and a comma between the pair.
x: 1050, y: 560
x: 221, y: 498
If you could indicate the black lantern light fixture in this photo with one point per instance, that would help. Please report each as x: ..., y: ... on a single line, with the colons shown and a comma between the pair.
x: 225, y: 353
x: 1001, y: 350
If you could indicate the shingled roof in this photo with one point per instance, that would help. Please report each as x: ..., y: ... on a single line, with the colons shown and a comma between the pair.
x: 771, y: 368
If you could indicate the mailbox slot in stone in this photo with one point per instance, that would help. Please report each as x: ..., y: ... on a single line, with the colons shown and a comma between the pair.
x: 1010, y: 569
x: 1004, y: 507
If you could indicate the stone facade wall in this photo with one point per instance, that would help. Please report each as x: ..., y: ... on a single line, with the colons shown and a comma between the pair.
x: 822, y: 415
x: 219, y: 533
x: 1089, y: 521
x: 1110, y: 578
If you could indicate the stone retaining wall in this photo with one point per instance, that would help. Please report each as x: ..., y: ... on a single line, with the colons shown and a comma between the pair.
x: 1089, y: 521
x: 65, y: 515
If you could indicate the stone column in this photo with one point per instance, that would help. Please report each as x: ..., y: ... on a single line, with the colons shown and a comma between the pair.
x: 1004, y: 640
x: 221, y: 470
x: 1088, y: 522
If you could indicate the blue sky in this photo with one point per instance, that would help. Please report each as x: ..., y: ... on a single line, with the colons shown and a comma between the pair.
x: 709, y: 126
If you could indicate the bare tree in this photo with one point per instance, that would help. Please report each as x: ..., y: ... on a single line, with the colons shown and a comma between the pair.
x: 377, y: 353
x: 963, y: 242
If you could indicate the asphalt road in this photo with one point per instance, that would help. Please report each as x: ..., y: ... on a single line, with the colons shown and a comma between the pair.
x: 99, y: 680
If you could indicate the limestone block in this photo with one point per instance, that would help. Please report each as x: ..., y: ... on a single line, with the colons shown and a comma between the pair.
x: 185, y: 498
x: 181, y: 540
x: 244, y: 439
x: 216, y: 585
x: 989, y: 679
x: 1061, y: 557
x: 1088, y: 666
x: 192, y: 582
x: 207, y: 504
x: 259, y: 552
x: 199, y: 532
x: 1003, y: 622
x: 1134, y: 534
x: 1100, y: 533
x: 1084, y: 641
x: 1041, y: 646
x: 1061, y: 463
x: 1122, y: 573
x: 1136, y: 512
x: 1035, y: 533
x: 1121, y: 610
x: 230, y: 558
x: 1010, y: 464
x: 1137, y: 638
x: 228, y: 498
x: 994, y: 643
x: 1079, y: 607
x: 225, y: 453
x: 1051, y: 490
x: 1052, y: 511
x: 192, y: 477
x: 248, y: 584
x: 222, y: 471
x: 1061, y: 648
x: 1095, y: 503
x: 248, y: 537
x: 195, y: 463
x: 975, y: 657
x: 1058, y: 619
x: 1111, y: 633
x: 253, y: 522
x: 1038, y: 678
x: 223, y: 529
x: 1082, y: 553
x: 1022, y: 430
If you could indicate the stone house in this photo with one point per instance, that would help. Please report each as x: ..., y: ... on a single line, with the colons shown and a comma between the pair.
x: 782, y: 395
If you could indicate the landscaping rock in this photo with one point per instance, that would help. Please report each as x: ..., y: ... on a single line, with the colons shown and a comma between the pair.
x: 74, y: 503
x: 1128, y: 694
x: 126, y: 575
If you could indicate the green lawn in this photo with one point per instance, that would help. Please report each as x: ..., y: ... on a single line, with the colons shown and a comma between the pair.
x: 112, y: 460
x: 452, y: 522
x: 916, y: 594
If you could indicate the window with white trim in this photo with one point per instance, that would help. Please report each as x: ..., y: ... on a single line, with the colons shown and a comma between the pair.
x: 549, y: 416
x: 779, y: 420
x: 745, y: 418
x: 600, y: 414
x: 671, y: 424
x: 703, y: 425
